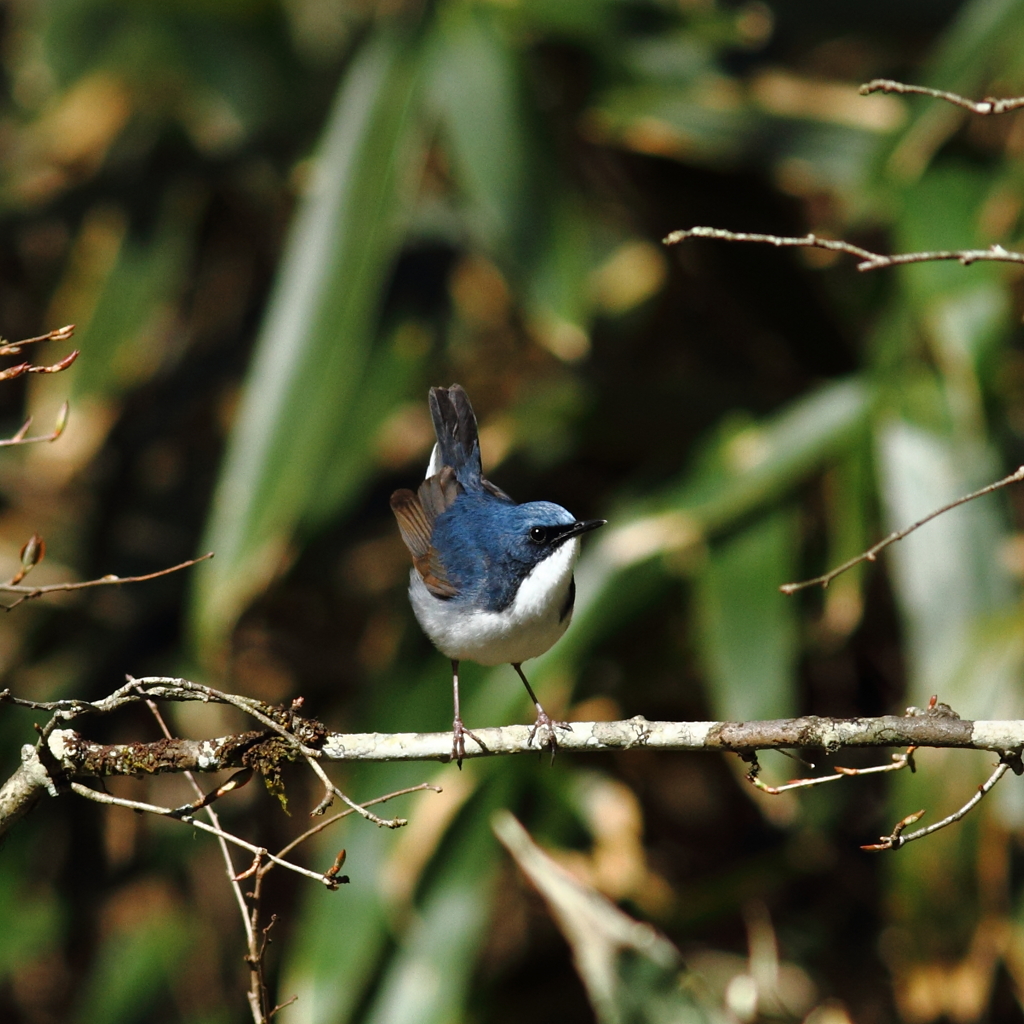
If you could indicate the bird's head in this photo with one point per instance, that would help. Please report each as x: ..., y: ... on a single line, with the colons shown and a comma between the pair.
x: 490, y: 547
x: 537, y: 529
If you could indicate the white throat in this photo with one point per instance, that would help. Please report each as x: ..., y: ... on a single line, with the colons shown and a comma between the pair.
x: 527, y: 628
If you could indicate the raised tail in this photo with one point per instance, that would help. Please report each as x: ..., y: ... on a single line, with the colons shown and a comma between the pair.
x: 458, y: 443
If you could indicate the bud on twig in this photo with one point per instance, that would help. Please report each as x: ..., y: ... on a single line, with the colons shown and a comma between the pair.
x: 31, y: 555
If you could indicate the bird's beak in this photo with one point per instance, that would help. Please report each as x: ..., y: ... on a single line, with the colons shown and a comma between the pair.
x: 583, y: 526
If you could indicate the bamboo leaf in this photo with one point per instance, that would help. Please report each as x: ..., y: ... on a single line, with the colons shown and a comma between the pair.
x: 748, y: 631
x: 317, y: 335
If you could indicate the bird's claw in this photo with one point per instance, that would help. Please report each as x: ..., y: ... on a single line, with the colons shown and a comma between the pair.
x: 547, y: 728
x: 459, y: 734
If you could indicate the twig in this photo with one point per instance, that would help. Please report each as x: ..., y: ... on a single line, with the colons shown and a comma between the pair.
x: 13, y: 348
x: 320, y: 826
x: 899, y: 761
x: 28, y: 593
x: 935, y: 727
x: 896, y: 839
x: 258, y: 995
x: 20, y: 438
x: 872, y: 553
x: 215, y: 821
x: 19, y: 369
x: 331, y: 790
x: 989, y: 105
x: 168, y: 812
x: 868, y: 260
x: 252, y: 707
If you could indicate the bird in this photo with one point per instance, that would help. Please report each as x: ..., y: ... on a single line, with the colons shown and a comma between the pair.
x: 492, y: 580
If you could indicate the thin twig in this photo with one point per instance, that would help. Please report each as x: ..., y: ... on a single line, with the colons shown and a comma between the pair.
x: 899, y: 761
x: 58, y: 429
x: 281, y: 1006
x: 168, y: 812
x: 320, y: 826
x: 896, y: 839
x: 11, y: 372
x: 989, y: 105
x: 258, y: 995
x: 28, y: 593
x: 215, y: 821
x: 13, y: 348
x: 251, y: 707
x: 872, y: 553
x: 331, y: 788
x: 868, y: 260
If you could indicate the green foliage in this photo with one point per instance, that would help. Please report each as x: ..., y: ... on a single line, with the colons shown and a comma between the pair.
x: 742, y: 419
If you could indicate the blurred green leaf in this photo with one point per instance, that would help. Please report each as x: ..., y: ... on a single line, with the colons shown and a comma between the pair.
x: 559, y: 286
x: 30, y: 915
x: 133, y: 967
x: 428, y: 977
x: 312, y: 353
x: 947, y: 574
x: 473, y: 81
x: 747, y: 630
x: 124, y: 332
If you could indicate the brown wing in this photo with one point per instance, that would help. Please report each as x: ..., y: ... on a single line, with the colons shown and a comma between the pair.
x: 416, y: 515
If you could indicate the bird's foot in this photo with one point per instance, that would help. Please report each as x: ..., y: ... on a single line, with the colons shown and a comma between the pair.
x: 459, y: 734
x: 545, y: 731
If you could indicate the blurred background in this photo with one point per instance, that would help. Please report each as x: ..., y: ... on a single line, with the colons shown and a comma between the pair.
x: 276, y: 224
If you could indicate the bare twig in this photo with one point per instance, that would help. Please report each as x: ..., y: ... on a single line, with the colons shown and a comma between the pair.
x: 899, y: 761
x: 19, y: 369
x: 868, y: 260
x: 28, y: 593
x: 989, y: 105
x: 20, y: 438
x: 13, y: 348
x: 871, y: 261
x: 896, y: 838
x: 215, y: 821
x: 168, y: 812
x: 331, y: 791
x: 81, y: 757
x: 872, y: 553
x: 258, y: 996
x: 64, y: 755
x: 320, y: 826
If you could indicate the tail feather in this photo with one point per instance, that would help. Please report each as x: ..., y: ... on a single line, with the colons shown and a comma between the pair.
x: 457, y: 438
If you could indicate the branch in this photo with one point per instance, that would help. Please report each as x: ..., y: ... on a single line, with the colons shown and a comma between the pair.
x: 79, y: 756
x: 869, y: 260
x: 27, y: 593
x: 169, y: 812
x: 872, y: 553
x: 989, y: 105
x: 62, y: 756
x: 13, y: 348
x: 20, y: 438
x: 897, y: 839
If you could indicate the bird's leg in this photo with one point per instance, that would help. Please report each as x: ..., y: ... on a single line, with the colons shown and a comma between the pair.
x: 459, y: 731
x: 544, y: 725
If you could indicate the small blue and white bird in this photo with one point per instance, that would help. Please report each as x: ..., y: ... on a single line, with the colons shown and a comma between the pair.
x: 492, y: 581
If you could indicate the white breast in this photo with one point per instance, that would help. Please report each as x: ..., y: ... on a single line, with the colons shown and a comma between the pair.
x: 524, y: 630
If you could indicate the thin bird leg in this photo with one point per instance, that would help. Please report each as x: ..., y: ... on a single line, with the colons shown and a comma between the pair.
x: 544, y: 723
x: 459, y: 731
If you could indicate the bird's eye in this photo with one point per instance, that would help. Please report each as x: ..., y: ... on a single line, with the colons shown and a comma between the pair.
x: 538, y: 534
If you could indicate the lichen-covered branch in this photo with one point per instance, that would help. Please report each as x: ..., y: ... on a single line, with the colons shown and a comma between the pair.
x: 64, y: 755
